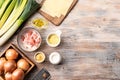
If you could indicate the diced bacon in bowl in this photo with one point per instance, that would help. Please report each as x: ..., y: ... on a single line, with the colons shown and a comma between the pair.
x: 29, y: 39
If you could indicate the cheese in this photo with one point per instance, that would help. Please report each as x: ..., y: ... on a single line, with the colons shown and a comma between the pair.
x: 56, y: 8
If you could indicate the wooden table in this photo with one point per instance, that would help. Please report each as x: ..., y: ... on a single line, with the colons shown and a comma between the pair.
x: 90, y: 44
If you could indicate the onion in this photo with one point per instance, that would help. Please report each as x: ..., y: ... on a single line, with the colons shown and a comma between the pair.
x: 8, y: 76
x: 10, y: 66
x: 11, y: 54
x: 23, y: 64
x: 18, y: 74
x: 2, y: 61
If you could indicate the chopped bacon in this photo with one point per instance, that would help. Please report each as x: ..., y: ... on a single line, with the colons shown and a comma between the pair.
x: 29, y: 32
x: 31, y: 38
x: 22, y: 38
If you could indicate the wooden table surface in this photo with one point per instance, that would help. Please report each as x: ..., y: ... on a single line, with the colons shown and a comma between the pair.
x: 90, y: 44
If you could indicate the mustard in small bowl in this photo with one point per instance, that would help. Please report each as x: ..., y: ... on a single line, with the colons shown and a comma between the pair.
x: 39, y: 57
x: 54, y: 39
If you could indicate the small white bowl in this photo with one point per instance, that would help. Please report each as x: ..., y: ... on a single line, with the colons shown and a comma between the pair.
x: 55, y: 58
x: 58, y: 34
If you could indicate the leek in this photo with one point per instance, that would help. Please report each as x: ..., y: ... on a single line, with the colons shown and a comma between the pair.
x: 30, y: 8
x: 1, y: 2
x: 13, y: 17
x: 7, y: 13
x: 3, y: 7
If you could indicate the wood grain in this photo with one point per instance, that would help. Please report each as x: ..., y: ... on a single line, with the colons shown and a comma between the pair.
x: 90, y: 44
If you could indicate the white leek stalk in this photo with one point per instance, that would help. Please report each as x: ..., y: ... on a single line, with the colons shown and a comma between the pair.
x: 7, y: 13
x: 3, y: 7
x: 13, y: 17
x: 30, y: 8
x: 1, y: 2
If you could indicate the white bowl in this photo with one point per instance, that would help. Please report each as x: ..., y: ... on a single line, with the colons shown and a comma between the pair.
x: 58, y: 34
x: 55, y: 58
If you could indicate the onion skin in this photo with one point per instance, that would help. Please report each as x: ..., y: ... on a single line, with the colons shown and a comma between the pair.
x: 11, y: 54
x: 23, y: 64
x: 18, y: 74
x: 2, y: 62
x: 10, y: 66
x: 8, y: 76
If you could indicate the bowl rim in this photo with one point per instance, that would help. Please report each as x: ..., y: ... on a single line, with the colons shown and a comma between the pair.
x: 40, y: 52
x: 57, y: 54
x: 44, y: 21
x: 51, y: 45
x: 20, y: 33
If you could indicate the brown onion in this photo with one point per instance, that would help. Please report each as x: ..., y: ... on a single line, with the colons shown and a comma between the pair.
x: 10, y: 66
x: 8, y: 76
x: 11, y: 54
x: 2, y: 61
x: 23, y: 64
x: 18, y: 74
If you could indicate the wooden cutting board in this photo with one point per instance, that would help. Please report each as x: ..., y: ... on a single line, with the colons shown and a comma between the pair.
x: 57, y: 20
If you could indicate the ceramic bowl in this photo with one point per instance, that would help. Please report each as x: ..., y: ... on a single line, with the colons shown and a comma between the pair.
x: 29, y: 39
x: 38, y: 56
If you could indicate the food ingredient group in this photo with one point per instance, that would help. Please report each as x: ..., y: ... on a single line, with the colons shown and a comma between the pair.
x: 13, y: 67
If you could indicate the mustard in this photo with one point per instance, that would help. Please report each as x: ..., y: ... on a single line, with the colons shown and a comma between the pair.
x: 53, y: 39
x: 39, y: 57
